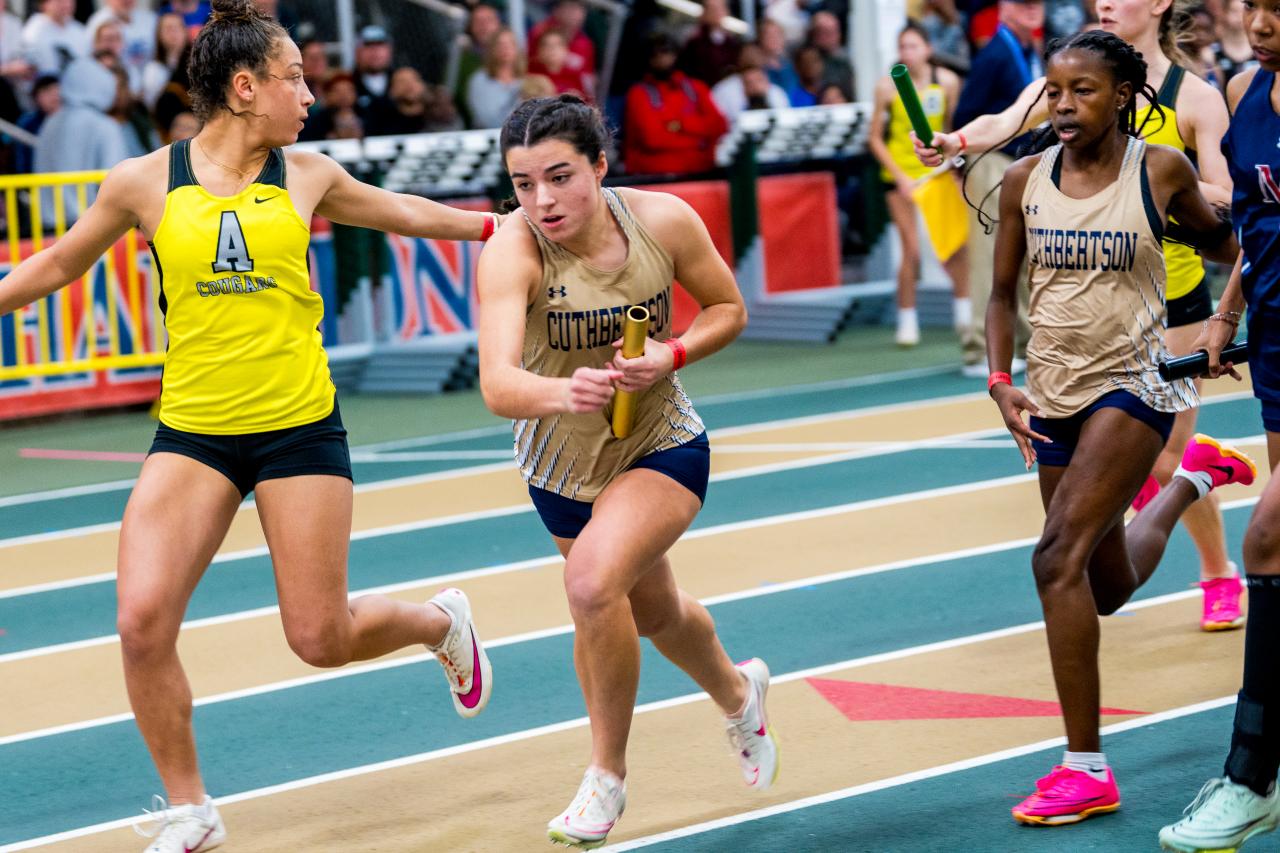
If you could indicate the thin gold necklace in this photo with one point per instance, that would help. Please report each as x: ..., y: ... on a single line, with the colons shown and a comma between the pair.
x: 239, y: 172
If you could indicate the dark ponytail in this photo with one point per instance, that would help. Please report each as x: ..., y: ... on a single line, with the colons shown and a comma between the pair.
x: 236, y: 37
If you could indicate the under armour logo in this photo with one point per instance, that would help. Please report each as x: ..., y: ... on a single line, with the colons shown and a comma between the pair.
x: 553, y: 292
x: 1032, y: 209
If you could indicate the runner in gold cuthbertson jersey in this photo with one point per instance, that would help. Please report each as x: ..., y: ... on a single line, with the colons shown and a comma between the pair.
x: 554, y: 285
x: 247, y: 401
x: 1192, y: 118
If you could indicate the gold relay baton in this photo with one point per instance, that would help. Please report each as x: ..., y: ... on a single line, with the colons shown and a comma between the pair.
x: 634, y: 333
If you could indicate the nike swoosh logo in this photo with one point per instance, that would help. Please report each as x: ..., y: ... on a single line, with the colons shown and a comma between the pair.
x: 1083, y: 802
x: 257, y: 200
x: 1224, y: 469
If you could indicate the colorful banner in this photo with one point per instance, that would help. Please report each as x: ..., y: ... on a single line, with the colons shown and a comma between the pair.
x: 430, y: 284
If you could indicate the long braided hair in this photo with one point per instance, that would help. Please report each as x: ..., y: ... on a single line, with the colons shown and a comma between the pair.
x: 1126, y: 65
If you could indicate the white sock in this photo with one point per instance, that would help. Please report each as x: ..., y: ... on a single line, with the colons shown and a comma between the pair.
x: 1093, y: 763
x: 907, y: 316
x: 1200, y: 479
x: 962, y: 312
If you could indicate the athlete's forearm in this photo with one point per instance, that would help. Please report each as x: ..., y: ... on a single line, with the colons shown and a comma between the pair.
x: 1233, y: 297
x: 1002, y: 315
x: 713, y: 329
x: 36, y: 277
x: 511, y: 392
x: 434, y: 221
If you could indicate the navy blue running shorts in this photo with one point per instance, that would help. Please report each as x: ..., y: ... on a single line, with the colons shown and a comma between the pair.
x: 1264, y: 365
x: 1065, y: 432
x: 689, y: 465
x: 249, y: 458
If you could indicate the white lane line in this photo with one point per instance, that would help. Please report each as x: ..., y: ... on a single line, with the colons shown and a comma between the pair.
x: 261, y: 550
x: 582, y: 722
x: 505, y: 429
x: 503, y: 568
x: 913, y: 777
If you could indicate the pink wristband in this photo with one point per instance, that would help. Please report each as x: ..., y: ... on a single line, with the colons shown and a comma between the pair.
x: 998, y: 379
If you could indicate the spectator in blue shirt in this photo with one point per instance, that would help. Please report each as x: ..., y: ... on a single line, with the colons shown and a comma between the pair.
x: 999, y: 73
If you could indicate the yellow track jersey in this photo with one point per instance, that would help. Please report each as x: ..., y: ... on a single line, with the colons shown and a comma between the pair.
x: 244, y: 353
x: 897, y: 132
x: 1183, y: 266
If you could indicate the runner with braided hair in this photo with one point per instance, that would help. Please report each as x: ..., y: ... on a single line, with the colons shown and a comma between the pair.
x: 1186, y: 113
x: 1087, y: 216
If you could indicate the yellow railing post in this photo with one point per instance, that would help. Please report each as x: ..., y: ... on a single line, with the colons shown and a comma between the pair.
x: 147, y: 350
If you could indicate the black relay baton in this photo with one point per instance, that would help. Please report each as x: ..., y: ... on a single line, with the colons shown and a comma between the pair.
x: 1197, y: 364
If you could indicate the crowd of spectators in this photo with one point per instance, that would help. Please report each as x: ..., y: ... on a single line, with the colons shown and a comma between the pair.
x: 121, y: 70
x: 96, y: 85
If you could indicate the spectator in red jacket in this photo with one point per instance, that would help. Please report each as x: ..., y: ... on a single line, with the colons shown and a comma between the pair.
x: 672, y: 124
x: 551, y: 59
x: 567, y: 18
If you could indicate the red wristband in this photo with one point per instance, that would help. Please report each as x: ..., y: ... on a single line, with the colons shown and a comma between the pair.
x: 679, y: 354
x: 998, y: 379
x: 964, y: 144
x: 490, y: 224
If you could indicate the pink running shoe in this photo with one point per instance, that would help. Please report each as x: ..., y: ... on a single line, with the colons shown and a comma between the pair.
x: 1222, y: 463
x: 1149, y: 490
x: 1222, y: 604
x: 1067, y: 796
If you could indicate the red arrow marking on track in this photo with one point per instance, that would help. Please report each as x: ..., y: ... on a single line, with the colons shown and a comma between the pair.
x: 862, y: 702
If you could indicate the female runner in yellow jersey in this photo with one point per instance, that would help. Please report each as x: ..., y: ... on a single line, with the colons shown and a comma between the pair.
x: 890, y: 142
x: 247, y: 401
x: 1195, y: 119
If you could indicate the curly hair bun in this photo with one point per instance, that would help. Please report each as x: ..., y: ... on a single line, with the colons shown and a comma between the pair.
x: 234, y: 10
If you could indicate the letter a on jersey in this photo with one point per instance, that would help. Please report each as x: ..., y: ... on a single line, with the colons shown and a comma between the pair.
x: 233, y: 254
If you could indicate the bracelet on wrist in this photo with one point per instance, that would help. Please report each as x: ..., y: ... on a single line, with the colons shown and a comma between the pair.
x: 679, y: 355
x: 490, y: 225
x: 998, y: 378
x: 964, y: 143
x: 1232, y: 317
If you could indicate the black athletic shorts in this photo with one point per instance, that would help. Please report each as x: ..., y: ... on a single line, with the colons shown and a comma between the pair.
x: 1192, y: 307
x: 249, y: 458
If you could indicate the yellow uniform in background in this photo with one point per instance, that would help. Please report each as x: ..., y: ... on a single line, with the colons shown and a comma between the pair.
x: 1184, y: 268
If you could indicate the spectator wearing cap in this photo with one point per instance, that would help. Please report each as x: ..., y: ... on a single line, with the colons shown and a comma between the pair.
x: 826, y: 36
x: 373, y: 66
x: 46, y: 95
x: 711, y: 53
x: 412, y: 106
x: 52, y: 38
x: 749, y: 88
x: 137, y: 31
x: 567, y: 18
x: 169, y: 52
x: 551, y: 60
x: 493, y: 91
x: 672, y: 125
x: 194, y: 13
